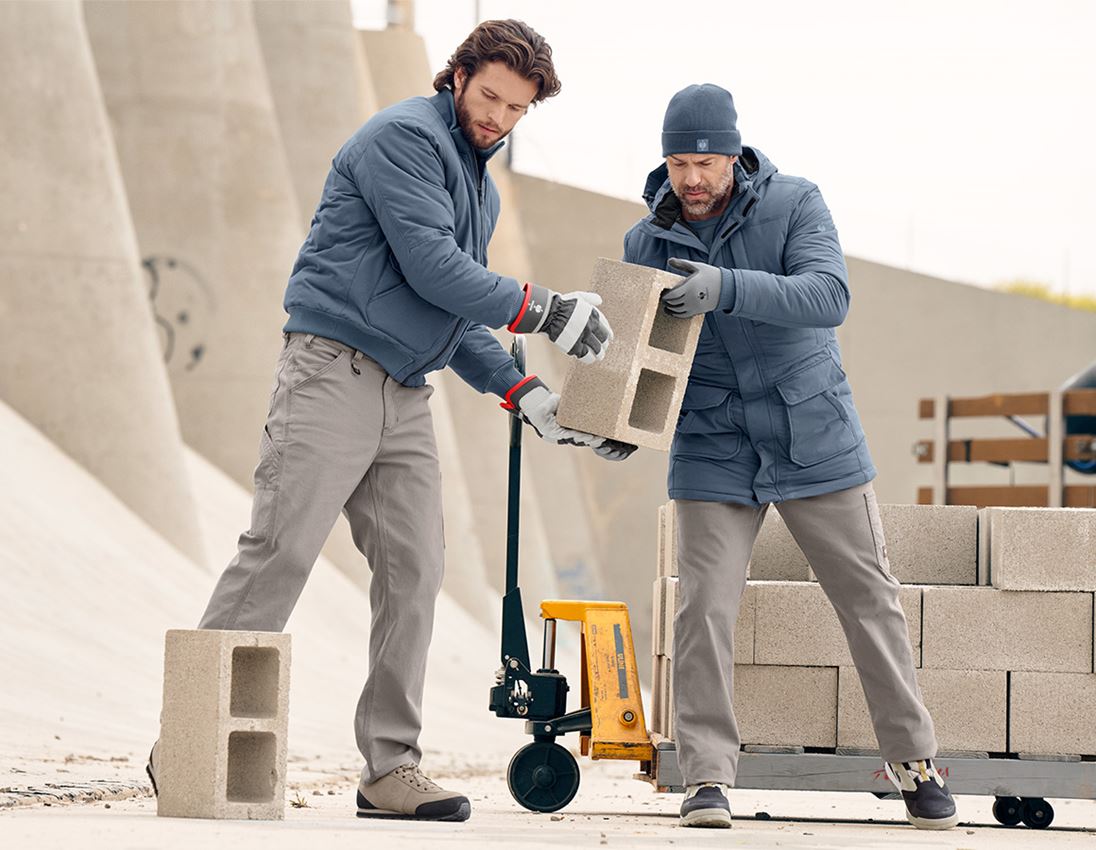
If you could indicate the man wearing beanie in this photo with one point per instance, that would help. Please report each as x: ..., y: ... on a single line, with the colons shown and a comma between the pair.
x: 768, y: 419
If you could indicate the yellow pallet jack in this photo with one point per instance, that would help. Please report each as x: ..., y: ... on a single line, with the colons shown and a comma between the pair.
x: 543, y: 776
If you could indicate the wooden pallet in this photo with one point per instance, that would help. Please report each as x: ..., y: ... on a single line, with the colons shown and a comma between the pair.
x: 1053, y: 449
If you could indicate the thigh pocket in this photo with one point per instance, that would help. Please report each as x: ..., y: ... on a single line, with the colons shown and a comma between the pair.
x: 875, y: 523
x: 705, y: 428
x: 817, y: 424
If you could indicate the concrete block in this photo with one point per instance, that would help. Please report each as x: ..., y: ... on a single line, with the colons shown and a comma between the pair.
x: 667, y: 540
x: 786, y: 706
x: 795, y: 624
x: 932, y: 544
x: 635, y: 393
x: 926, y: 544
x: 222, y: 750
x: 1041, y: 548
x: 1052, y: 713
x: 776, y: 556
x: 665, y: 608
x: 982, y: 628
x: 968, y: 708
x: 662, y: 696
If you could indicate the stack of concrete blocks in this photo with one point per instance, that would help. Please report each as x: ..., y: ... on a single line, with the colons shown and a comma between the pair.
x: 222, y: 748
x: 1000, y: 606
x: 635, y: 393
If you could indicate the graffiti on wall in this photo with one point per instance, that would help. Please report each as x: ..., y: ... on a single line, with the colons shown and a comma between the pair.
x: 182, y: 306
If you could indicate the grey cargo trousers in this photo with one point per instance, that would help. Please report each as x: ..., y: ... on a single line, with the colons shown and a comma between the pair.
x: 841, y: 535
x: 341, y: 435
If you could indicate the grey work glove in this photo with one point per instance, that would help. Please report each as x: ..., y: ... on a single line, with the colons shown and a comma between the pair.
x: 700, y: 292
x: 536, y: 405
x: 571, y: 321
x: 614, y: 450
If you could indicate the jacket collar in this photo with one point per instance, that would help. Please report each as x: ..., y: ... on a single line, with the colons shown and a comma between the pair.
x: 447, y: 108
x: 752, y: 169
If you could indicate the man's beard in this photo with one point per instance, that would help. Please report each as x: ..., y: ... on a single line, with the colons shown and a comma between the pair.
x: 467, y: 127
x: 717, y: 194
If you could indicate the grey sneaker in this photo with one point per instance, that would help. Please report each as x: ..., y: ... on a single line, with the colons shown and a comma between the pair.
x: 407, y: 794
x: 928, y: 801
x: 706, y: 806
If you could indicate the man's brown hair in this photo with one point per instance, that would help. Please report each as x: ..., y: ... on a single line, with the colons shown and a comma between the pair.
x: 516, y: 44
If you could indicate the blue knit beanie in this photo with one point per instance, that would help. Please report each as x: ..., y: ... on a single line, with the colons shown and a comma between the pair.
x: 701, y: 119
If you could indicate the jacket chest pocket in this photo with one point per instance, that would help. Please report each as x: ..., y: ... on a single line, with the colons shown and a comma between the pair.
x: 817, y: 423
x: 705, y: 428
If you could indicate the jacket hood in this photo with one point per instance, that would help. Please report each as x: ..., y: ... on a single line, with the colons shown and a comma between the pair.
x: 752, y: 169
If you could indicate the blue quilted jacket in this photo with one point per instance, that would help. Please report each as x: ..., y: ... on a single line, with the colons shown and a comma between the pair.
x: 768, y: 413
x: 395, y: 262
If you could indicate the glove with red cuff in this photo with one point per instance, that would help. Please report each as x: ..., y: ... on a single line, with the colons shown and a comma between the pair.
x: 571, y: 321
x: 536, y: 405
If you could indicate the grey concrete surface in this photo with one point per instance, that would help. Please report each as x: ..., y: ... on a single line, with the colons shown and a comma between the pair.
x: 611, y: 809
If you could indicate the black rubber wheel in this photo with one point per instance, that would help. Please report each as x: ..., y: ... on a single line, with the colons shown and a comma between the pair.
x: 543, y: 776
x: 1007, y: 810
x: 1036, y: 812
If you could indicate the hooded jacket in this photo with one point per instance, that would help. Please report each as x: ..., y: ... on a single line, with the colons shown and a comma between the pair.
x: 395, y: 261
x: 768, y: 412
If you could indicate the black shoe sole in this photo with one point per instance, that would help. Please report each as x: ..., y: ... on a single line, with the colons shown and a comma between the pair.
x: 461, y: 814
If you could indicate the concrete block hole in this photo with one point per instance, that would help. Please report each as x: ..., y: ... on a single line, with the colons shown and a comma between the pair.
x: 255, y: 672
x: 251, y: 767
x: 654, y: 392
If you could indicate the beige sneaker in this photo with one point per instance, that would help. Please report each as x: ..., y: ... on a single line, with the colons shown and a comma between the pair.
x: 406, y: 794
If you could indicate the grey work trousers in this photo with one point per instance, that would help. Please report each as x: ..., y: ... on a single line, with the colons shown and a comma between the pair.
x: 842, y: 537
x: 341, y: 435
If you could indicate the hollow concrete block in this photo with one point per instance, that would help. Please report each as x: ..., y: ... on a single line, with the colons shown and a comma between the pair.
x: 1052, y: 713
x: 776, y: 556
x: 790, y: 706
x: 968, y: 709
x: 635, y: 393
x: 982, y: 628
x: 662, y: 720
x: 796, y: 625
x: 926, y: 544
x: 666, y: 602
x: 667, y: 540
x: 222, y: 749
x: 1041, y: 548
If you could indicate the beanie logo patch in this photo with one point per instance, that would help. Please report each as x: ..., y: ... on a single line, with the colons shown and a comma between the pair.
x: 701, y: 145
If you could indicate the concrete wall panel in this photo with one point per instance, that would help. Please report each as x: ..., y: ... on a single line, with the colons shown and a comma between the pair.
x: 212, y: 200
x: 79, y: 356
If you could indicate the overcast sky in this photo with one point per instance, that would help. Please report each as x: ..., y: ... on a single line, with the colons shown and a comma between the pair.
x: 954, y: 138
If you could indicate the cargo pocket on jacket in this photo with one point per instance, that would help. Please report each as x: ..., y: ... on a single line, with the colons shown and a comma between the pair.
x: 818, y: 430
x: 705, y: 429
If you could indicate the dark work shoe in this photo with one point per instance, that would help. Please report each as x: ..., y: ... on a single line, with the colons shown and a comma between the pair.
x: 929, y: 804
x: 407, y: 794
x: 150, y: 769
x: 706, y: 806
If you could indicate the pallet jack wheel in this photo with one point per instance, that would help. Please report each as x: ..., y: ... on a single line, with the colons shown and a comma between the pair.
x: 543, y: 776
x: 1036, y: 812
x: 1007, y: 810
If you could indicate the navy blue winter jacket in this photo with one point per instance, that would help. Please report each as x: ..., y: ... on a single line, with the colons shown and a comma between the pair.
x: 768, y: 413
x: 395, y: 262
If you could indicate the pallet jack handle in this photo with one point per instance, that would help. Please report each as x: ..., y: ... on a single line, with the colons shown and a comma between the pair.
x: 515, y: 643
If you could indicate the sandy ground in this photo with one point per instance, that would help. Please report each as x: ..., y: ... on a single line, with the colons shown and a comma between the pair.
x: 611, y: 809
